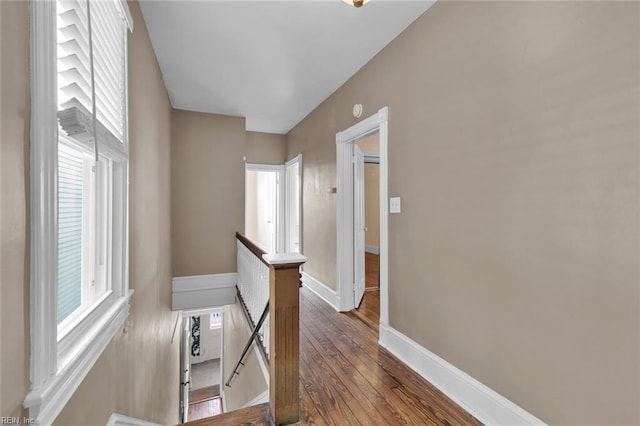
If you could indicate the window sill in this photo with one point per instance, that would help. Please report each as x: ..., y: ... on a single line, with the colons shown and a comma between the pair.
x: 47, y: 401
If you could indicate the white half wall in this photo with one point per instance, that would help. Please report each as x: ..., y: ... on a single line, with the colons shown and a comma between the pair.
x: 203, y: 291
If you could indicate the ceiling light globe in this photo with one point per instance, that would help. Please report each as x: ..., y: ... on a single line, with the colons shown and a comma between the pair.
x: 356, y: 3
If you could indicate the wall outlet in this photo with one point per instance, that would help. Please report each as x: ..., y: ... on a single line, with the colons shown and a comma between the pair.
x: 394, y: 205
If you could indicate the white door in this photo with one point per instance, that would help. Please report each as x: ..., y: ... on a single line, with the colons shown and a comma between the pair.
x: 358, y: 224
x: 186, y: 366
x: 292, y: 206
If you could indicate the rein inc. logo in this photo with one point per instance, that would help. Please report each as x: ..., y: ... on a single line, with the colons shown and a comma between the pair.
x: 17, y: 421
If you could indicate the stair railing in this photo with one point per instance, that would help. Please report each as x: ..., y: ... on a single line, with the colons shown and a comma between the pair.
x: 268, y: 286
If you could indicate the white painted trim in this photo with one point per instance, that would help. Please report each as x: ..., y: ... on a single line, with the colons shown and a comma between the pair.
x: 121, y: 420
x: 203, y: 292
x: 321, y: 290
x: 260, y: 399
x: 479, y: 400
x: 47, y: 401
x: 126, y: 13
x: 344, y: 212
x: 43, y: 169
x: 283, y: 258
x: 372, y: 249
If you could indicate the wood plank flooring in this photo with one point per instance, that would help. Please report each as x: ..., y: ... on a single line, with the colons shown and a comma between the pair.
x: 347, y: 379
x: 369, y: 310
x: 257, y: 415
x: 371, y: 270
x: 203, y: 409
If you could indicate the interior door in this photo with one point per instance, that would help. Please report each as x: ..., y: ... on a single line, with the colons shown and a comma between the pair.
x: 292, y: 206
x: 186, y: 366
x: 358, y: 224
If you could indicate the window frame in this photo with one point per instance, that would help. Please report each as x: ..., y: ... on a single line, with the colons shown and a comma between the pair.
x: 58, y: 368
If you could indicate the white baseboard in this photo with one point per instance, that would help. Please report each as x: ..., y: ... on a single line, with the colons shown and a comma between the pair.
x: 260, y: 399
x: 203, y: 291
x: 479, y: 400
x: 372, y: 249
x: 120, y: 420
x: 325, y: 293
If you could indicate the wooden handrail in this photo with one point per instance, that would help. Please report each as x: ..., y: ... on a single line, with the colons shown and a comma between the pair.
x: 253, y: 248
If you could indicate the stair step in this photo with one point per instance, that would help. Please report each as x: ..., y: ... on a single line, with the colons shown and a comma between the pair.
x: 257, y: 415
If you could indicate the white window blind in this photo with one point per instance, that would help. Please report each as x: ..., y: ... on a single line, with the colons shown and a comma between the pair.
x: 70, y: 182
x: 91, y: 74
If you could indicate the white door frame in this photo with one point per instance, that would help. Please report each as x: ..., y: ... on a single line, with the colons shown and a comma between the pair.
x: 279, y: 169
x: 344, y: 220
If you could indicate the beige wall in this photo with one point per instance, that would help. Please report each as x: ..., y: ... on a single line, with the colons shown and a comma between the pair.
x: 266, y: 148
x: 250, y: 382
x: 116, y: 383
x: 207, y: 199
x: 513, y: 142
x: 14, y: 215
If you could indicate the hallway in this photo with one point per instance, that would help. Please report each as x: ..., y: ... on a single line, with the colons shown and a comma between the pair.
x: 347, y: 379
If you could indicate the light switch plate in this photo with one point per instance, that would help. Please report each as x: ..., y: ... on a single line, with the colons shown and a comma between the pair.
x: 394, y: 205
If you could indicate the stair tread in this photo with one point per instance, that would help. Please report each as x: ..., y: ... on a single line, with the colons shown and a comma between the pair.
x: 257, y: 415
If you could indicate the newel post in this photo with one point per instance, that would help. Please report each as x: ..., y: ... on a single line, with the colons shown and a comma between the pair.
x: 284, y: 337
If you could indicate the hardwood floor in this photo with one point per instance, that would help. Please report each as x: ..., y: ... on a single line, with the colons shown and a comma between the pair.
x: 371, y: 270
x: 369, y: 309
x: 204, y: 409
x: 257, y: 415
x: 204, y: 394
x: 347, y: 379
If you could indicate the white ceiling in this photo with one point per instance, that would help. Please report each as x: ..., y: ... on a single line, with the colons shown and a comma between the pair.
x: 272, y: 62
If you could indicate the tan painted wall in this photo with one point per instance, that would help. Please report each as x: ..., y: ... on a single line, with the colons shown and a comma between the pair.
x: 513, y: 142
x: 372, y: 204
x: 207, y: 200
x: 250, y: 382
x: 370, y: 143
x: 266, y: 148
x: 14, y: 214
x: 116, y: 383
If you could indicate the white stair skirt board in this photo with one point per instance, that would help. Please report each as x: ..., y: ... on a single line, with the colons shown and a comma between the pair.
x: 203, y: 291
x: 477, y: 399
x: 325, y: 293
x: 260, y: 399
x: 120, y: 420
x: 372, y: 249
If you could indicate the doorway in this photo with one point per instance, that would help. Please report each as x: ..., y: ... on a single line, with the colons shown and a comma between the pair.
x: 202, y: 357
x: 264, y: 212
x: 349, y: 232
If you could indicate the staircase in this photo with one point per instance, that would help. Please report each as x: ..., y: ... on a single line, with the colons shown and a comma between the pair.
x: 256, y: 415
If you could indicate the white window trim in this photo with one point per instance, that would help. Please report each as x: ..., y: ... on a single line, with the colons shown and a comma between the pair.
x: 56, y: 371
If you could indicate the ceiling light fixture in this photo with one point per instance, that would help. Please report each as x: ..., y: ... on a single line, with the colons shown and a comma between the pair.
x: 356, y: 3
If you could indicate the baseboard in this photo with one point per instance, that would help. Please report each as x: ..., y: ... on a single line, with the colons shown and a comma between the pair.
x: 203, y: 291
x: 120, y: 420
x: 372, y: 249
x: 260, y: 399
x: 325, y: 293
x: 479, y: 400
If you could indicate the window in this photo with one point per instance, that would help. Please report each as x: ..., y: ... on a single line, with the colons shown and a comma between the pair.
x: 215, y: 320
x: 79, y: 163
